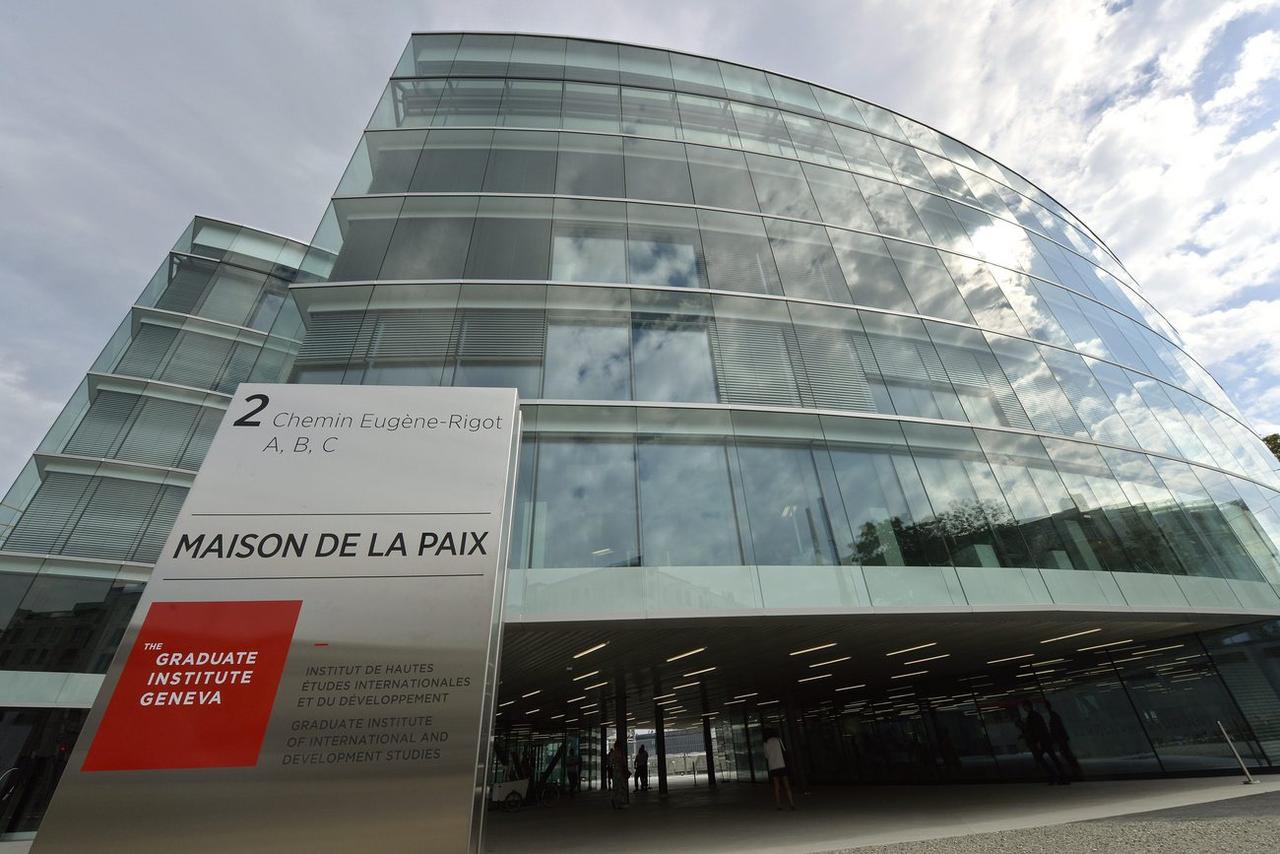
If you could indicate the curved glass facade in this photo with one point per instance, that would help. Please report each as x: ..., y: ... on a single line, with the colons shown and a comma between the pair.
x: 782, y: 355
x: 899, y: 374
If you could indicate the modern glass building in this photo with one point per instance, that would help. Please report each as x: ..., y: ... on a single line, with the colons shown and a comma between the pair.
x: 832, y: 424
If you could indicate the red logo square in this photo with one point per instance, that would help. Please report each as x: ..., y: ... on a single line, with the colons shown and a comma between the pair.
x: 197, y: 688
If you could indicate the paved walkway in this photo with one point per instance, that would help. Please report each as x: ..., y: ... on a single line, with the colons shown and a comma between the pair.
x: 741, y: 818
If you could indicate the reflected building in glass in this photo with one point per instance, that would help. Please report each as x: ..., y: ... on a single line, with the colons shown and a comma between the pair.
x: 873, y: 425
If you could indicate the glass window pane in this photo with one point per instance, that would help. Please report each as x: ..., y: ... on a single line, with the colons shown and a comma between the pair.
x: 746, y: 84
x: 1090, y: 401
x: 650, y: 113
x: 657, y: 170
x: 532, y: 104
x: 738, y: 254
x: 429, y: 55
x: 910, y: 368
x: 861, y: 152
x: 931, y: 287
x: 881, y: 120
x: 663, y: 247
x: 537, y: 56
x: 589, y: 241
x: 806, y: 263
x: 669, y: 348
x: 453, y: 161
x: 720, y: 178
x: 644, y: 66
x: 482, y: 55
x: 839, y: 108
x: 511, y: 239
x: 869, y: 271
x: 522, y: 162
x: 591, y: 106
x: 793, y: 95
x: 983, y: 389
x: 588, y: 357
x: 708, y: 120
x: 892, y: 212
x: 687, y: 513
x: 940, y: 222
x: 982, y: 295
x: 786, y: 508
x: 585, y: 503
x: 1038, y: 392
x: 362, y: 229
x: 762, y: 129
x: 407, y: 104
x: 384, y: 163
x: 589, y: 166
x: 813, y: 140
x: 906, y: 164
x: 839, y: 199
x: 592, y: 61
x: 781, y: 188
x: 697, y: 75
x: 431, y: 239
x: 469, y: 102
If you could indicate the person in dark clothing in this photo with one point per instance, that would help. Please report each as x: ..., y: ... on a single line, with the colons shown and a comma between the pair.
x: 621, y: 773
x: 1036, y: 734
x: 573, y: 767
x: 642, y: 770
x: 1060, y: 740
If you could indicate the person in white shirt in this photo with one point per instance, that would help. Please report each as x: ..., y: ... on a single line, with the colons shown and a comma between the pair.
x: 776, y: 755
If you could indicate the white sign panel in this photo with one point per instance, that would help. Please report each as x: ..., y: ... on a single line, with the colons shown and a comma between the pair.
x: 312, y: 666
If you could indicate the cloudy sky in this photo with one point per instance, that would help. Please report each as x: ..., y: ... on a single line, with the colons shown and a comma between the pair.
x: 1157, y: 122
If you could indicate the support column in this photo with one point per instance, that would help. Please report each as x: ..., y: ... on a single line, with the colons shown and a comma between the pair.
x: 604, y: 753
x: 660, y: 747
x: 746, y: 735
x: 706, y: 745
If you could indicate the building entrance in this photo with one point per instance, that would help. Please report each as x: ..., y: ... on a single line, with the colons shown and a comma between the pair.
x: 881, y: 700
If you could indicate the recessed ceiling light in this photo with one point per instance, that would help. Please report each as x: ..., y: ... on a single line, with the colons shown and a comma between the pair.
x: 507, y: 703
x: 533, y: 711
x: 1072, y: 635
x: 812, y: 649
x: 930, y: 658
x: 595, y: 686
x: 1011, y: 658
x: 731, y: 702
x: 912, y: 648
x: 585, y: 676
x: 831, y: 661
x: 1047, y: 661
x: 912, y: 673
x: 766, y: 702
x: 697, y: 672
x: 851, y: 687
x: 686, y: 654
x: 745, y: 696
x: 685, y: 685
x: 556, y: 717
x: 591, y: 649
x: 578, y: 699
x: 530, y: 694
x: 589, y: 706
x: 815, y: 678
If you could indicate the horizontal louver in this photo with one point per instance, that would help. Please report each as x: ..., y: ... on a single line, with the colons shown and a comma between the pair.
x: 52, y: 511
x: 836, y: 376
x: 753, y: 363
x: 113, y: 521
x: 162, y: 519
x: 331, y: 337
x: 201, y: 436
x: 147, y: 351
x: 502, y: 334
x: 197, y: 361
x: 102, y: 425
x: 411, y: 334
x: 159, y: 432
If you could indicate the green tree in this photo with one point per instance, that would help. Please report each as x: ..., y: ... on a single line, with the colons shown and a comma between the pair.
x: 1273, y: 442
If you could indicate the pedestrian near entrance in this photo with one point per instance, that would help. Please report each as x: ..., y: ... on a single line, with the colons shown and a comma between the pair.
x: 621, y: 773
x: 642, y: 770
x: 775, y: 755
x: 1060, y: 739
x: 1036, y: 734
x: 573, y: 765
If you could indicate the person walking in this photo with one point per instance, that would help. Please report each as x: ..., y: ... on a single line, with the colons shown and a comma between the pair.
x: 621, y: 773
x: 642, y: 769
x: 775, y: 755
x: 573, y: 766
x: 1036, y: 734
x: 1060, y: 740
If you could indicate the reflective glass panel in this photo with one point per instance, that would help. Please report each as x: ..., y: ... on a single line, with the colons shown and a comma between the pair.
x: 589, y: 165
x: 720, y: 178
x: 656, y: 170
x: 687, y: 513
x: 664, y: 247
x: 737, y: 253
x: 585, y: 508
x: 781, y: 188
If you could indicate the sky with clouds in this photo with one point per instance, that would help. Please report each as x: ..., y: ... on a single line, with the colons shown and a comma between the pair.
x: 1158, y: 123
